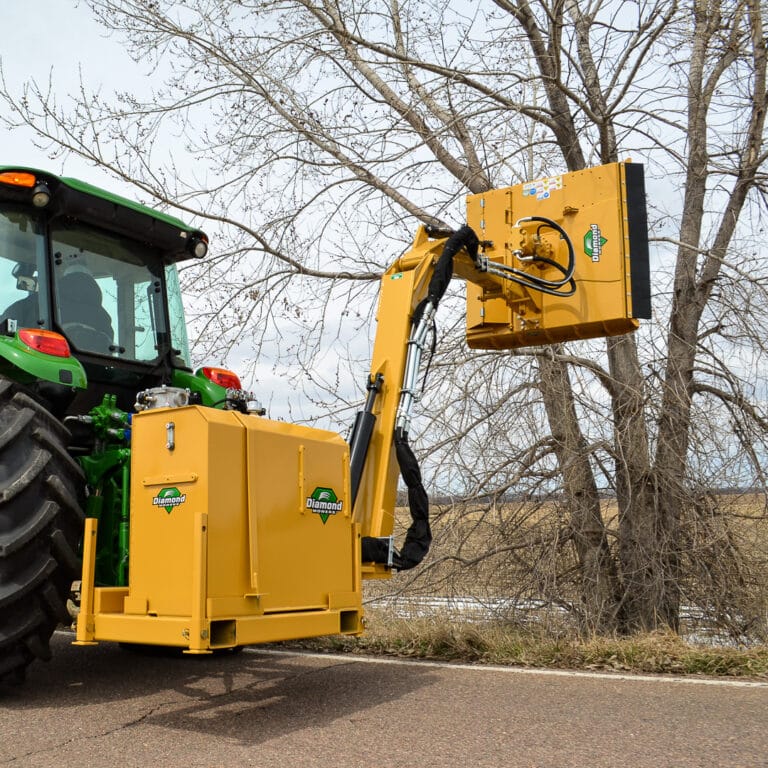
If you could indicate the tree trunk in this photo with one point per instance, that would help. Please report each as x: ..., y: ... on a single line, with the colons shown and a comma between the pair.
x: 599, y: 583
x: 643, y: 577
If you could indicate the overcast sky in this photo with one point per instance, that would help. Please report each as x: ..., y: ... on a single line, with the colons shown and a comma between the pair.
x: 56, y: 40
x: 59, y: 40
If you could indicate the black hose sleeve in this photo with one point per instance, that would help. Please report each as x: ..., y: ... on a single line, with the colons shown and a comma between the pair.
x: 419, y: 535
x: 375, y: 550
x: 463, y: 237
x: 418, y: 538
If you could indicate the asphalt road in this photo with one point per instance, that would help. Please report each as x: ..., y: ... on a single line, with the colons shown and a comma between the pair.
x: 105, y: 706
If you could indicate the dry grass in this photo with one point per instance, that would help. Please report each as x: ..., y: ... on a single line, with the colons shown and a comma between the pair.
x: 441, y: 639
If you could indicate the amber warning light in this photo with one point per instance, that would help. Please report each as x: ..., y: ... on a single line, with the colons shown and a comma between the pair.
x: 18, y: 178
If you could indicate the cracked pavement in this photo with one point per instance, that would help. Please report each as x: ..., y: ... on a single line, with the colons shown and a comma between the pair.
x: 108, y: 706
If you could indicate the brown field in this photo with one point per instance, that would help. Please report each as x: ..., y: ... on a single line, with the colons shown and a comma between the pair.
x: 515, y: 559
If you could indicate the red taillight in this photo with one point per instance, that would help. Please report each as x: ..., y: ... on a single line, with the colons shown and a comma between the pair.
x: 48, y: 342
x: 222, y: 377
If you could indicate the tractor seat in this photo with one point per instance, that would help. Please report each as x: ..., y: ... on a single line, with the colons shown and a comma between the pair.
x: 81, y: 314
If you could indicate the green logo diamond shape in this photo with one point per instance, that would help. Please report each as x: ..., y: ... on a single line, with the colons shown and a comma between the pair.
x: 594, y: 242
x: 324, y: 502
x: 168, y: 498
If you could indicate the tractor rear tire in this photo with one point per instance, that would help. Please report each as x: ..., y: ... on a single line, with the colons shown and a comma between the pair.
x: 41, y: 523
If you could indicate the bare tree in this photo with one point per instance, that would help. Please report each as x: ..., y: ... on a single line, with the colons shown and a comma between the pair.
x: 314, y: 135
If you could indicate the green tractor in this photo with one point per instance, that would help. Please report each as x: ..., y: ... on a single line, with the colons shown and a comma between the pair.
x: 90, y: 316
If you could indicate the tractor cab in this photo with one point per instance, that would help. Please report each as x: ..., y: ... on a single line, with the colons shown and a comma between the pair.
x: 90, y: 278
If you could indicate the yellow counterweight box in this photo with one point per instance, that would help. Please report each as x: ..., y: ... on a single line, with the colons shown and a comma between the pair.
x: 241, y: 532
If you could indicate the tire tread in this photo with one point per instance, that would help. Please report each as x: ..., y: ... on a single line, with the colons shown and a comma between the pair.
x: 41, y: 488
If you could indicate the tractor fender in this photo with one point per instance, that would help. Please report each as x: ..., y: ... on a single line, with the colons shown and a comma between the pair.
x: 25, y: 365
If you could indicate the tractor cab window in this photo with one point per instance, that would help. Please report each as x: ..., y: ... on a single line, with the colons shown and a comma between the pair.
x: 179, y: 337
x: 22, y: 269
x: 108, y: 294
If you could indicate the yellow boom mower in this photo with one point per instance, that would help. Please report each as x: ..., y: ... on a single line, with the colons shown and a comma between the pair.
x: 207, y: 525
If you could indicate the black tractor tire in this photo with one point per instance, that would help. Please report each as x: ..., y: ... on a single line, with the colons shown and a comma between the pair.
x: 41, y: 524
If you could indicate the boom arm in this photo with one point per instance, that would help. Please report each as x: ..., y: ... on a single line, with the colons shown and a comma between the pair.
x: 568, y: 259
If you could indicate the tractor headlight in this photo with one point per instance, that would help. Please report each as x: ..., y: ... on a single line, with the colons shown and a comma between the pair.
x: 41, y: 195
x: 198, y: 246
